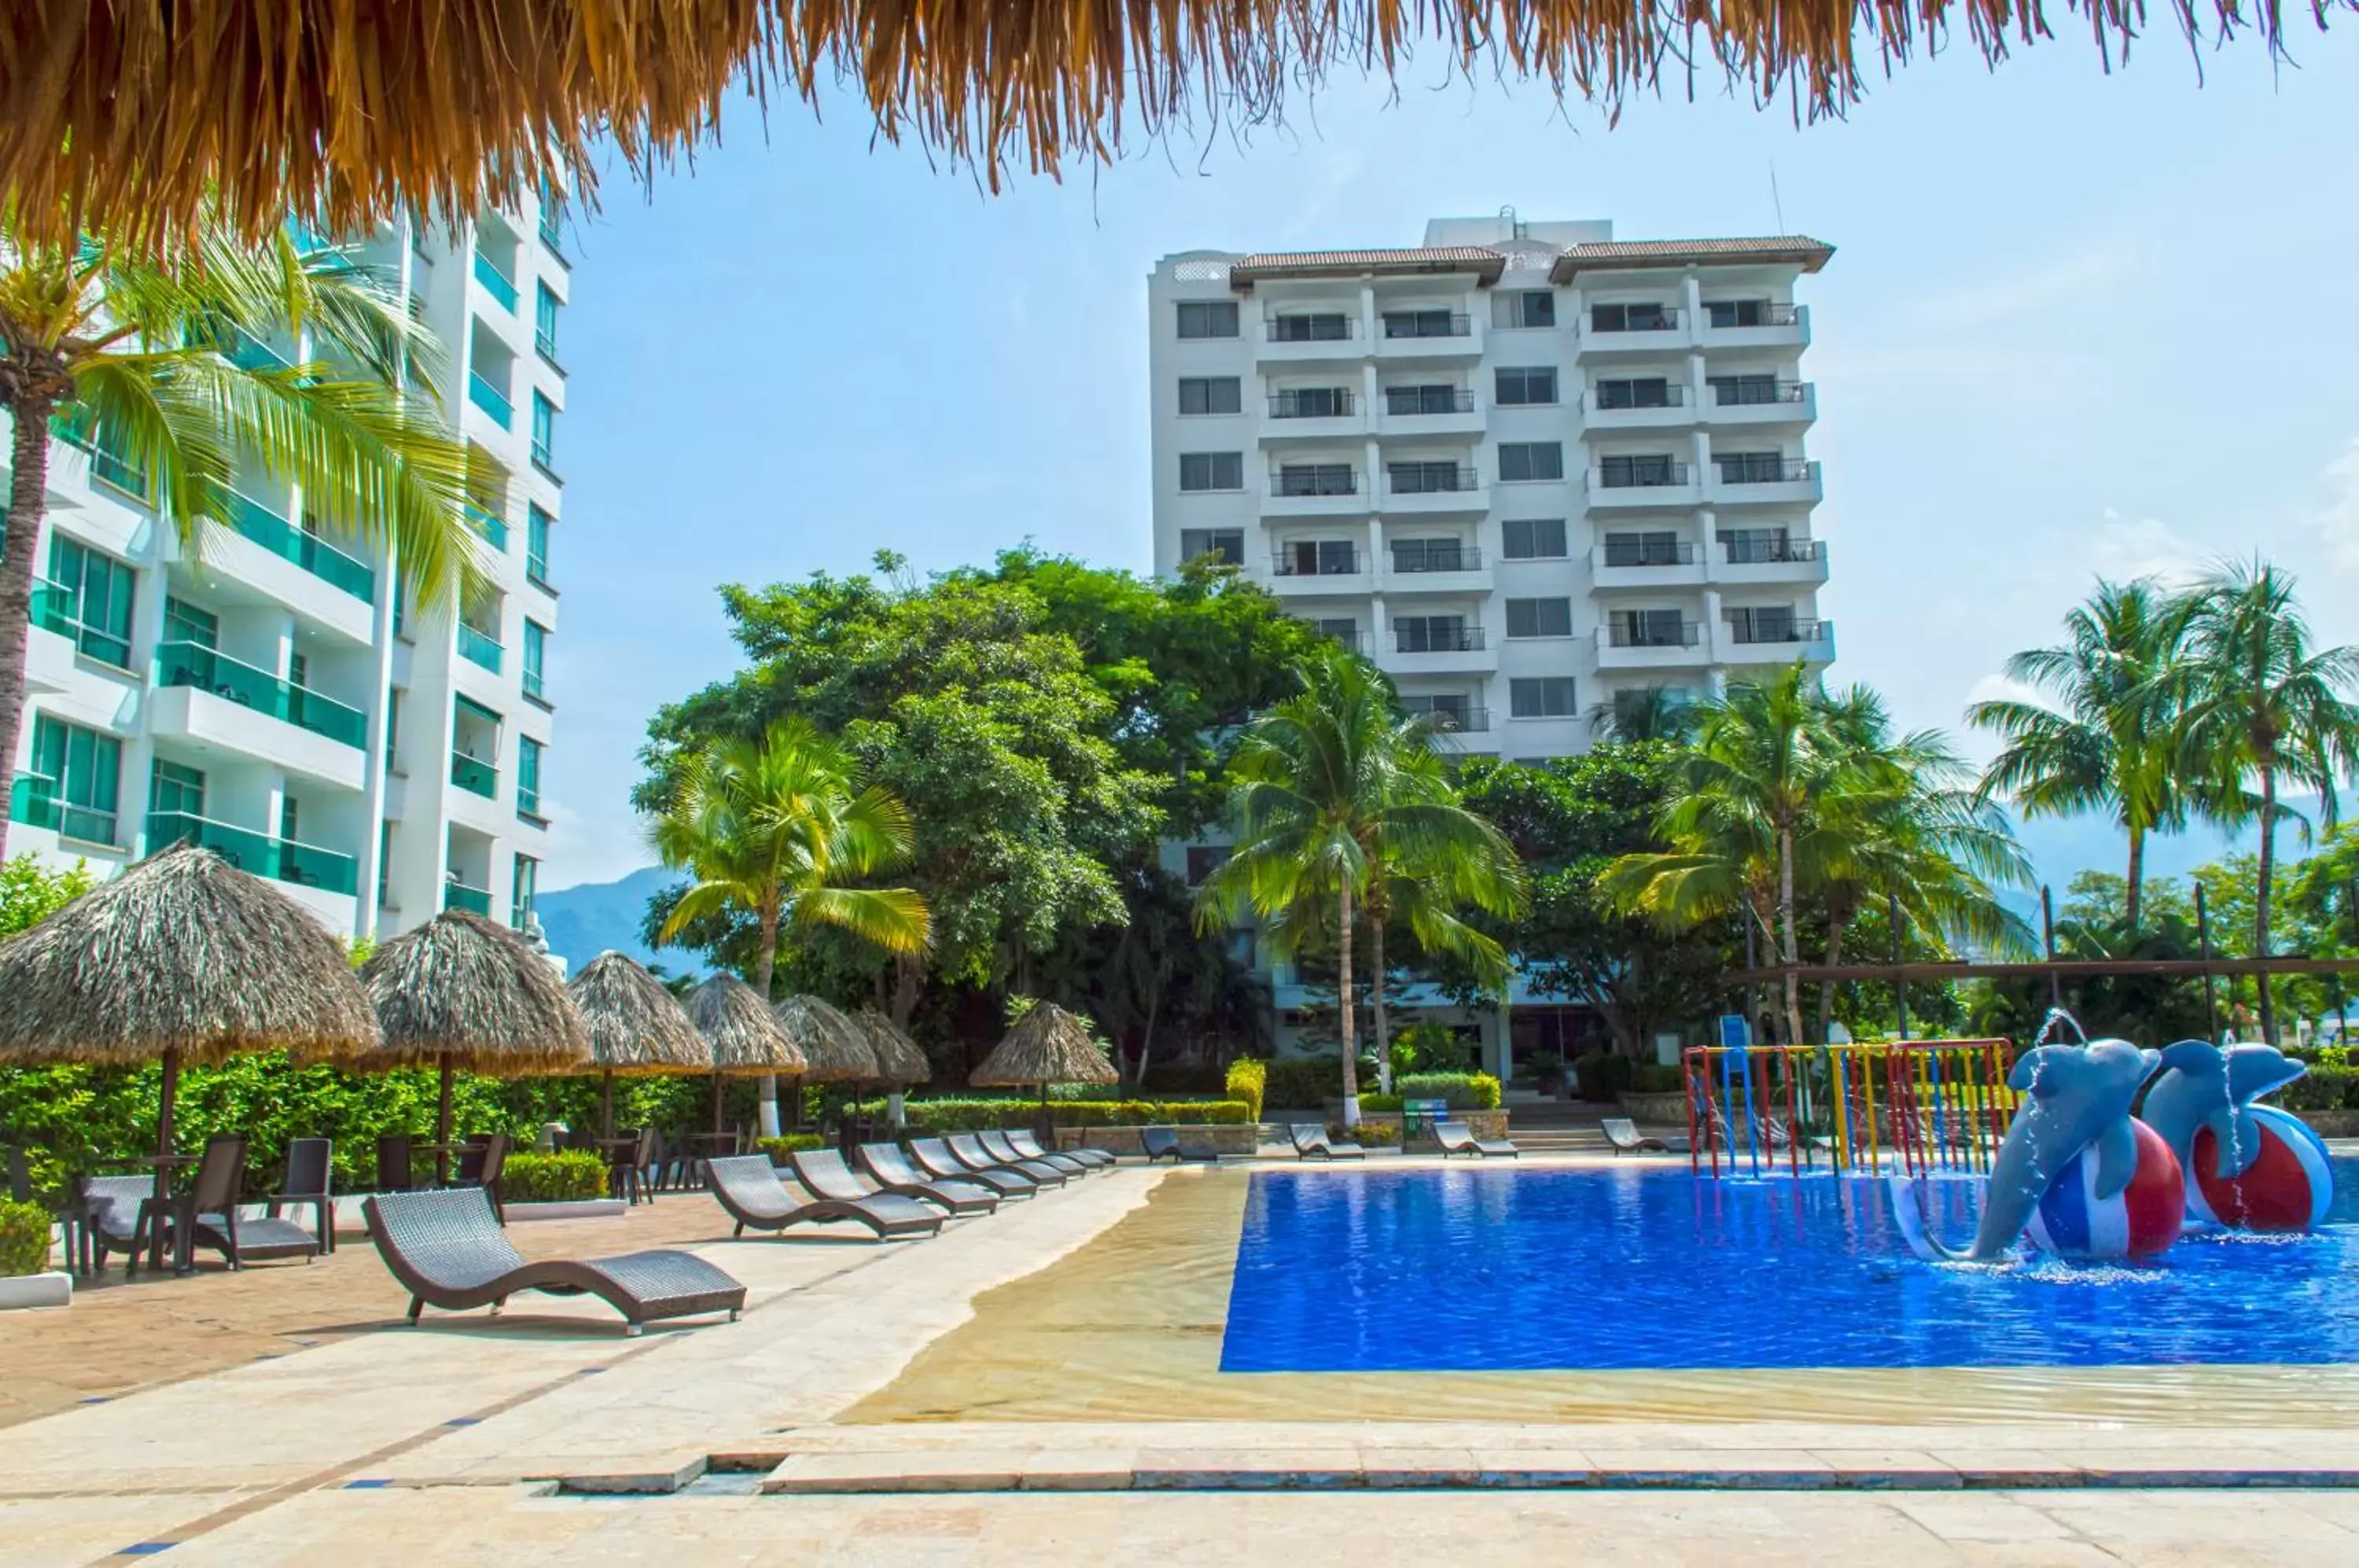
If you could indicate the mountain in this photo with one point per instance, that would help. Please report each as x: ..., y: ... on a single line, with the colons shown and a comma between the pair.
x: 2060, y: 847
x: 584, y: 921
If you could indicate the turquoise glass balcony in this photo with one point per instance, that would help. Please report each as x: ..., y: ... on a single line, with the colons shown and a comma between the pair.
x: 192, y: 664
x: 309, y: 866
x: 53, y: 607
x: 252, y: 353
x: 474, y: 776
x: 104, y: 465
x: 495, y: 282
x: 33, y: 801
x: 487, y: 397
x: 476, y: 647
x: 489, y: 523
x: 312, y: 553
x: 279, y: 860
x: 474, y: 900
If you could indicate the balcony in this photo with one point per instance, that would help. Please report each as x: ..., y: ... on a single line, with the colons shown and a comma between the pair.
x: 306, y: 549
x: 1755, y: 325
x: 1778, y: 640
x: 490, y: 525
x: 457, y: 894
x: 279, y: 860
x: 1429, y: 412
x: 49, y: 661
x: 489, y: 398
x: 1751, y: 481
x: 1448, y: 639
x: 1328, y: 338
x: 202, y: 668
x: 498, y: 284
x: 1313, y: 490
x: 1431, y: 336
x: 1644, y: 564
x: 33, y: 802
x: 1760, y: 403
x: 1313, y: 413
x: 1770, y: 561
x: 474, y: 776
x: 1654, y: 644
x: 1296, y: 577
x: 1433, y: 488
x: 1644, y: 407
x: 479, y: 647
x: 1642, y: 484
x: 1455, y: 719
x: 1632, y: 329
x: 105, y: 467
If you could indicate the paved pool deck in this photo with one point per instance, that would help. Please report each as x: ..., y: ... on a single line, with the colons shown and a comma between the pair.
x: 296, y: 1420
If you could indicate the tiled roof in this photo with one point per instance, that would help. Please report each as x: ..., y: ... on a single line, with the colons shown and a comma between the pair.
x: 1800, y: 250
x: 1483, y: 264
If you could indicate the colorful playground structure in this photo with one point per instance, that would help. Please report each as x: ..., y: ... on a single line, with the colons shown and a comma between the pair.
x: 1913, y: 1106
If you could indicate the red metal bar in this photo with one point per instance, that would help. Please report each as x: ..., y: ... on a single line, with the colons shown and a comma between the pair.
x: 1793, y: 1122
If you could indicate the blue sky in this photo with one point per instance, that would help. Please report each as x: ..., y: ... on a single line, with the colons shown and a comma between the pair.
x: 2075, y: 324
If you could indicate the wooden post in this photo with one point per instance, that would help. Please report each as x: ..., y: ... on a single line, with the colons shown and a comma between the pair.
x: 1899, y: 985
x: 2048, y: 928
x: 2203, y: 950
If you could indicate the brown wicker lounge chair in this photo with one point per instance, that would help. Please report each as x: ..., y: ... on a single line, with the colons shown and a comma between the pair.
x: 206, y: 1214
x: 1457, y: 1138
x: 747, y: 1187
x: 1163, y: 1143
x: 1624, y: 1135
x: 1027, y: 1145
x: 967, y: 1151
x: 934, y: 1158
x: 1002, y: 1147
x: 106, y: 1213
x: 890, y: 1167
x: 447, y: 1249
x: 310, y: 1184
x: 824, y: 1172
x: 1310, y: 1141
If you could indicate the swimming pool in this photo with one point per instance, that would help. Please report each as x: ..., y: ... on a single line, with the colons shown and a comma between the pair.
x: 1497, y: 1270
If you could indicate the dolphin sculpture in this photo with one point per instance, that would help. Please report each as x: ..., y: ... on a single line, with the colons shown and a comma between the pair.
x: 2203, y: 1087
x: 2076, y: 1098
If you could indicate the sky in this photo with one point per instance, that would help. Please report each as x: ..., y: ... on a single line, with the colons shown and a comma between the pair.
x: 2076, y: 323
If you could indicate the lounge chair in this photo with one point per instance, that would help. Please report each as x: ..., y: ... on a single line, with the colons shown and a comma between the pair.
x: 967, y: 1151
x: 1029, y: 1145
x: 1309, y: 1140
x: 747, y: 1187
x: 1000, y: 1148
x: 1457, y: 1138
x: 106, y: 1214
x: 1624, y: 1135
x: 1163, y: 1143
x: 824, y: 1172
x: 310, y: 1184
x: 934, y: 1158
x: 891, y: 1170
x: 447, y: 1249
x: 206, y: 1214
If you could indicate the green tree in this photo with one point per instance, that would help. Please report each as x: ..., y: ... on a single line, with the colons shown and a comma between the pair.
x: 154, y: 366
x: 2263, y: 708
x: 784, y: 829
x: 30, y: 892
x: 2102, y: 732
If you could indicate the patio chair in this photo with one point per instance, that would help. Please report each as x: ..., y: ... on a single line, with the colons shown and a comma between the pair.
x: 968, y: 1152
x: 1624, y: 1135
x: 1000, y: 1146
x: 205, y: 1213
x: 748, y: 1188
x: 102, y: 1216
x: 446, y: 1248
x: 1311, y: 1141
x: 631, y: 1174
x: 393, y: 1163
x: 1457, y: 1138
x: 1163, y: 1143
x: 825, y: 1172
x: 892, y: 1171
x: 480, y: 1164
x: 309, y: 1182
x: 934, y: 1158
x: 1027, y: 1144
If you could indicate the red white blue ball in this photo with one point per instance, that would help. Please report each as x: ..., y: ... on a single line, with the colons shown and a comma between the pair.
x: 2139, y: 1221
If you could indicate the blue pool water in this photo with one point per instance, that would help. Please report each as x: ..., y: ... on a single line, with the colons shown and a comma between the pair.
x: 1499, y: 1269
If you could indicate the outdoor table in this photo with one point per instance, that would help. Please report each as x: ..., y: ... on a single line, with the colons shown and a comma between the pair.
x: 156, y: 1212
x: 441, y: 1153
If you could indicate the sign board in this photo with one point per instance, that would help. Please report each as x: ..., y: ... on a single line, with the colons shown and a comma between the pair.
x: 1417, y: 1113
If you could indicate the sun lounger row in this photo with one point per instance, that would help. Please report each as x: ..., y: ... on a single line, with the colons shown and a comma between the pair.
x: 1311, y: 1141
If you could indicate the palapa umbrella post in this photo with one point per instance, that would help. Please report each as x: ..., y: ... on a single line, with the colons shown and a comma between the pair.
x: 442, y: 1126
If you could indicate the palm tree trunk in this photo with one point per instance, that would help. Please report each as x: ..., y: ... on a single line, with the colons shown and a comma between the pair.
x: 2261, y: 894
x: 1836, y: 921
x: 1351, y: 1021
x: 766, y: 963
x: 28, y: 486
x: 1146, y: 1040
x: 2134, y: 896
x: 1786, y: 935
x: 1377, y: 1000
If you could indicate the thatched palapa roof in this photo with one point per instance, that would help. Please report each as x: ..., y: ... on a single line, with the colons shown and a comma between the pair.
x: 464, y: 991
x: 741, y: 1031
x: 122, y: 116
x: 182, y: 953
x: 1048, y: 1045
x: 635, y: 1026
x: 838, y: 1048
x: 899, y: 1058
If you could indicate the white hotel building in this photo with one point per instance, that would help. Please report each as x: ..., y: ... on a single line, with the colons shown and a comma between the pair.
x: 1531, y: 471
x: 272, y: 694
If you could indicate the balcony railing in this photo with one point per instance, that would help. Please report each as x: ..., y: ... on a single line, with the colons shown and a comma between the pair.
x: 1313, y: 402
x: 206, y: 669
x: 1769, y: 552
x: 53, y: 607
x: 1408, y: 402
x: 1775, y: 631
x: 105, y: 466
x: 1325, y: 480
x: 1642, y: 476
x: 1763, y: 469
x: 479, y: 647
x: 476, y: 776
x: 1357, y: 641
x: 1457, y: 558
x: 1285, y: 564
x: 531, y: 680
x: 1764, y: 315
x: 1649, y: 553
x: 1454, y: 719
x: 1313, y: 328
x: 495, y: 282
x: 249, y: 352
x: 1750, y: 394
x: 474, y: 900
x: 1652, y: 633
x: 33, y: 801
x: 281, y: 860
x: 1437, y: 639
x: 1427, y: 324
x: 491, y: 525
x: 306, y: 549
x: 1428, y: 479
x: 490, y: 400
x: 545, y: 345
x: 1659, y: 319
x: 1615, y: 397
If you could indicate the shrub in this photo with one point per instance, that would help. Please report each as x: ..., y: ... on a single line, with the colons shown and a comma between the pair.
x: 1368, y: 1135
x: 1303, y: 1083
x: 24, y: 1238
x: 1602, y: 1075
x: 1375, y: 1104
x: 1247, y: 1079
x: 1464, y: 1090
x: 2322, y: 1088
x: 960, y: 1114
x: 779, y: 1147
x: 1655, y: 1078
x: 566, y: 1176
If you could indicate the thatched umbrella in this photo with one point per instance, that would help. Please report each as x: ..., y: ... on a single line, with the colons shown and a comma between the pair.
x: 1048, y: 1045
x: 636, y: 1028
x: 184, y: 959
x: 745, y: 1036
x: 837, y: 1048
x: 464, y: 992
x: 898, y: 1056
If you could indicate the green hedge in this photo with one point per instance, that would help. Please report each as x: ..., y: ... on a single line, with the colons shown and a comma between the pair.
x: 779, y: 1147
x: 2325, y: 1087
x: 927, y: 1117
x: 24, y: 1238
x: 1655, y: 1078
x: 1464, y: 1090
x: 1248, y: 1082
x: 1303, y: 1083
x: 1368, y: 1135
x: 1380, y: 1104
x: 569, y: 1175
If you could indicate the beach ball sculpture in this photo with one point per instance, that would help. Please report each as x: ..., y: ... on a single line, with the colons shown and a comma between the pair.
x: 2076, y: 1217
x: 2249, y: 1166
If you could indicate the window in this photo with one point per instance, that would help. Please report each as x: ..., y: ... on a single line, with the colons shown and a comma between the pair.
x: 1763, y: 622
x: 1211, y: 471
x: 1450, y: 714
x: 1431, y: 555
x: 174, y: 790
x: 536, y: 544
x: 1203, y: 859
x: 1760, y: 547
x: 384, y: 866
x: 76, y: 775
x: 400, y: 605
x: 1540, y: 617
x: 1640, y: 392
x: 1725, y: 313
x: 1542, y: 697
x: 1640, y: 471
x: 1430, y: 324
x: 97, y: 600
x: 1318, y: 557
x: 1533, y: 539
x: 1652, y: 628
x: 1647, y: 317
x: 1442, y: 399
x: 184, y: 622
x: 1433, y: 634
x: 1518, y: 389
x: 1227, y: 544
x: 521, y: 914
x: 1653, y: 549
x: 107, y: 462
x: 1743, y: 390
x: 544, y: 430
x: 290, y: 820
x: 529, y: 752
x: 1751, y: 467
x: 1524, y: 307
x: 1208, y: 317
x: 1209, y: 395
x: 393, y: 729
x: 544, y: 323
x: 1530, y: 460
x: 1341, y: 628
x: 1428, y: 477
x: 1317, y: 479
x: 1310, y: 403
x: 1325, y: 326
x: 536, y: 650
x: 1649, y: 711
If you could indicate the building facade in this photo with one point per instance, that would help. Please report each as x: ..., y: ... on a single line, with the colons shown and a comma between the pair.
x: 270, y: 692
x: 1540, y: 476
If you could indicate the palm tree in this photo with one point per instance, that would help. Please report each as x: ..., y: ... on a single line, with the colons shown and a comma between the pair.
x: 1644, y: 712
x: 2103, y: 732
x: 148, y: 364
x: 777, y: 827
x: 2262, y: 707
x: 1339, y: 801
